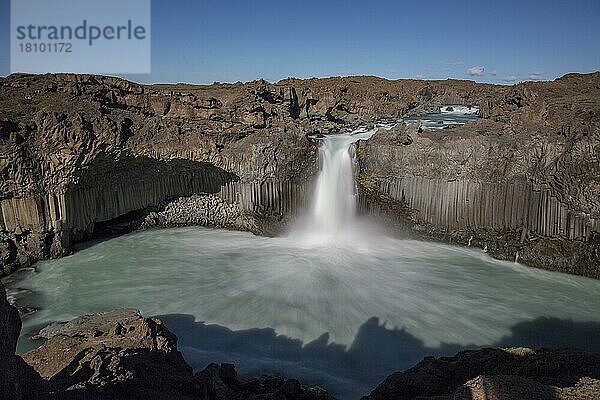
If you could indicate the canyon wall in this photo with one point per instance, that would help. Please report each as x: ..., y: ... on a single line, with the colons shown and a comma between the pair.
x: 284, y: 197
x: 464, y: 204
x: 524, y: 191
x: 78, y: 151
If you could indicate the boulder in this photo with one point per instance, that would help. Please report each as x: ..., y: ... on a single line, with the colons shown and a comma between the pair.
x: 113, y: 354
x: 121, y: 355
x: 442, y: 376
x: 399, y: 134
x: 509, y: 387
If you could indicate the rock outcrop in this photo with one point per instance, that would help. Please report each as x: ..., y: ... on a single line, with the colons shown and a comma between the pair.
x: 515, y: 373
x: 18, y: 381
x: 121, y: 355
x: 510, y: 387
x: 80, y: 151
x: 220, y: 382
x: 112, y: 355
x: 520, y: 194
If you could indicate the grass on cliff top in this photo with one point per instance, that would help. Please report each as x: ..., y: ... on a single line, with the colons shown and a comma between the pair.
x: 22, y: 110
x: 22, y: 106
x: 190, y: 87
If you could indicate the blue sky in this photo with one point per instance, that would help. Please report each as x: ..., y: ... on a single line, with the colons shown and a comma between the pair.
x: 200, y: 41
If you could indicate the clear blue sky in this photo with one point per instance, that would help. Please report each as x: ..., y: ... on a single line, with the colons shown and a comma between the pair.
x: 202, y: 41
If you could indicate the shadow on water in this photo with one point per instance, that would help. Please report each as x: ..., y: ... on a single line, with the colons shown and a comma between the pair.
x: 349, y: 372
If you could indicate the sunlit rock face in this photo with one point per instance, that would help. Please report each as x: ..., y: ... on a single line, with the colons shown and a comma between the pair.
x: 82, y: 150
x: 513, y: 184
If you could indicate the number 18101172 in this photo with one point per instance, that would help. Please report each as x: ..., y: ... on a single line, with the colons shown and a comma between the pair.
x: 45, y: 47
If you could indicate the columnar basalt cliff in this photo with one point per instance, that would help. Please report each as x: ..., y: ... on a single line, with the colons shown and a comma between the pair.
x: 524, y: 184
x: 80, y: 151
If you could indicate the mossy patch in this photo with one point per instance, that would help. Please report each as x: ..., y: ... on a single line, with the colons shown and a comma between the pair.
x: 519, y: 351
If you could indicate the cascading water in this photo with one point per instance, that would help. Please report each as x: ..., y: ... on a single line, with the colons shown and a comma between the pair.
x: 332, y: 215
x: 334, y: 204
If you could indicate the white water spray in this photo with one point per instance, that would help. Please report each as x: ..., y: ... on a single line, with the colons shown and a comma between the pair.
x: 334, y: 202
x: 332, y: 214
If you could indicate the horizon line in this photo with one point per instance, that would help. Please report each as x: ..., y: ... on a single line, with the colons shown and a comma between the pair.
x: 131, y: 79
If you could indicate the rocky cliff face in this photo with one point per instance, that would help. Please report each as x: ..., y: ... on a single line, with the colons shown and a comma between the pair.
x: 76, y: 151
x: 524, y: 183
x: 79, y: 151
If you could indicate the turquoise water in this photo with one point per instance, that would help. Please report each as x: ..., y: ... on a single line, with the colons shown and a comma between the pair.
x: 439, y: 121
x: 341, y: 315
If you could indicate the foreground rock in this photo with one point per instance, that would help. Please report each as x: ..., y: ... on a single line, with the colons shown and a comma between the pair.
x: 510, y: 387
x: 113, y: 354
x: 17, y: 379
x: 122, y: 355
x: 515, y: 373
x: 220, y: 382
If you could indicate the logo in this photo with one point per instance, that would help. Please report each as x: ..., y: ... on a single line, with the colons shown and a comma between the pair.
x: 80, y: 36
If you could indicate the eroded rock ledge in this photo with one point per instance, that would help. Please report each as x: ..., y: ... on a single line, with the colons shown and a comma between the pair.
x: 120, y: 354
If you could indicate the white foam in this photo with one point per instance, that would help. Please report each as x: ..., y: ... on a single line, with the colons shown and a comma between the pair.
x: 332, y: 215
x: 459, y: 109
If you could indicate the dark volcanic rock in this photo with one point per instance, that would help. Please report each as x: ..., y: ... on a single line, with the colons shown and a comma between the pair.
x: 112, y: 355
x: 18, y: 381
x: 510, y: 387
x: 220, y: 382
x: 121, y: 355
x: 10, y: 327
x: 441, y: 377
x: 399, y: 134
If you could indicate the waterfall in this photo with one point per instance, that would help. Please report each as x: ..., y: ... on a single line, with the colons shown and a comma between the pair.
x: 332, y: 214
